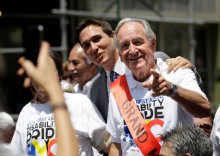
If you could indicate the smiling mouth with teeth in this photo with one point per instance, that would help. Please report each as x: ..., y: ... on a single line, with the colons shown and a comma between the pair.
x: 75, y: 73
x: 135, y: 59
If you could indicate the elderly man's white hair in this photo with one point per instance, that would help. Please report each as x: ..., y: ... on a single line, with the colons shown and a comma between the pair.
x: 147, y: 29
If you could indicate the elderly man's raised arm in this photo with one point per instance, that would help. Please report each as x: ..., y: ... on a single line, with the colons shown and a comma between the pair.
x: 194, y: 101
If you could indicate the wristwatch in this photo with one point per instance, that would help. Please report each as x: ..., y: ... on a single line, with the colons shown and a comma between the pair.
x: 174, y: 90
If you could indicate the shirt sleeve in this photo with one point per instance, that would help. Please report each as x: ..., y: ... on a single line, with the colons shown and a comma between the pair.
x: 187, y: 80
x: 115, y: 120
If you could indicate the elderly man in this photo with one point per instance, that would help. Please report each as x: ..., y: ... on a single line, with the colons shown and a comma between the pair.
x: 96, y: 39
x: 164, y: 101
x: 84, y: 72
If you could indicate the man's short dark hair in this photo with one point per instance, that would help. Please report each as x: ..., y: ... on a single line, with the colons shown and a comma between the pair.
x: 106, y: 27
x: 188, y: 139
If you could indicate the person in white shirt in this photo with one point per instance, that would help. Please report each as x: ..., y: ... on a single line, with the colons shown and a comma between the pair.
x: 96, y: 38
x: 84, y: 73
x: 35, y: 132
x: 165, y: 100
x: 43, y: 75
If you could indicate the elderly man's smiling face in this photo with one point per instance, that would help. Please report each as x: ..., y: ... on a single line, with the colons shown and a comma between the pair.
x: 136, y: 50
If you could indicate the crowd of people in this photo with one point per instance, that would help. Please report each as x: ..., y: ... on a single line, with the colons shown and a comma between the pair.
x: 120, y: 96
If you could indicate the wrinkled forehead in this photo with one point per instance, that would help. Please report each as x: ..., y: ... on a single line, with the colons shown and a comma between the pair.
x: 131, y: 28
x: 130, y: 25
x: 76, y: 50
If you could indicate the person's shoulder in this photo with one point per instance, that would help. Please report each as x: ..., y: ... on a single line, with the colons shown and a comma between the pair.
x: 31, y: 107
x: 161, y: 64
x: 77, y: 101
x: 160, y: 54
x: 26, y: 107
x: 162, y: 68
x: 184, y: 72
x: 77, y: 97
x: 74, y: 95
x: 25, y: 113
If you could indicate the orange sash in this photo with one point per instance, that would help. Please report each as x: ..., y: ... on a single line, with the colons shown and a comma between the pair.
x: 140, y: 132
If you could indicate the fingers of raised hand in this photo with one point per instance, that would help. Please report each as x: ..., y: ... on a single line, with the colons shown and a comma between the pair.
x: 156, y: 77
x: 156, y: 88
x: 178, y: 62
x: 161, y: 88
x: 28, y: 68
x: 20, y: 72
x: 27, y: 82
x: 44, y: 51
x: 171, y: 64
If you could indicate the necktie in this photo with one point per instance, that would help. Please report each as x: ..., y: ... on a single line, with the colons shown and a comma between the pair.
x: 113, y: 76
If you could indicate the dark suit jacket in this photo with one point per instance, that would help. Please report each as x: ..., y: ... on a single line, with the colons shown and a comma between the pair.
x: 99, y: 94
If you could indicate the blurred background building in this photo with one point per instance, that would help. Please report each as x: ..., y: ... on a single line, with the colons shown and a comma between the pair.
x: 189, y: 28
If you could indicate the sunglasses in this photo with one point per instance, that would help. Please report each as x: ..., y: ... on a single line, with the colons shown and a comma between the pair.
x: 205, y: 126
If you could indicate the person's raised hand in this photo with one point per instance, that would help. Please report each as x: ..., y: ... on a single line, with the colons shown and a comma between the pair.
x: 43, y: 74
x: 158, y: 84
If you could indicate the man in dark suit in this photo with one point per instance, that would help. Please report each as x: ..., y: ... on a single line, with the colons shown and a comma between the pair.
x: 99, y: 94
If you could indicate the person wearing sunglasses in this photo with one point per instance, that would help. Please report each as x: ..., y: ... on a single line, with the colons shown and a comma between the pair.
x: 205, y: 123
